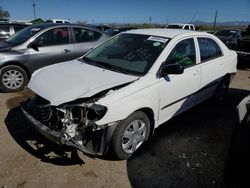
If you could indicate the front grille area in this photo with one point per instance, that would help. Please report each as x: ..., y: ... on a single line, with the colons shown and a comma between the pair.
x: 42, y: 111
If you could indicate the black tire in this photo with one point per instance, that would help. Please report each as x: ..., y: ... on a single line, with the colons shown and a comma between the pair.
x: 19, y: 82
x: 236, y: 172
x: 221, y: 90
x: 117, y: 139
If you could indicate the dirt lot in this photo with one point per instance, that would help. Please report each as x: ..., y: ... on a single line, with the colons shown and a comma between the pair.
x: 189, y: 151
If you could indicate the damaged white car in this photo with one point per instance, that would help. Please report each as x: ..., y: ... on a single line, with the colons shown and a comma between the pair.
x: 118, y: 93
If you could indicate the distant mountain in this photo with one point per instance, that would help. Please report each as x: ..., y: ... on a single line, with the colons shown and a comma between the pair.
x: 232, y: 23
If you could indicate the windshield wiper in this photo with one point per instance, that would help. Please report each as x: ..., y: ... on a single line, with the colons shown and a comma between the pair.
x: 104, y: 65
x: 91, y: 62
x: 112, y: 67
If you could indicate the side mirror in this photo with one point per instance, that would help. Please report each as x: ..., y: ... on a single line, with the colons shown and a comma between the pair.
x: 35, y: 44
x: 171, y: 69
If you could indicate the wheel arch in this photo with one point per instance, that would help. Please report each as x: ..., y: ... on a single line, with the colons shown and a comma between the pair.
x: 16, y: 63
x: 226, y: 77
x: 150, y: 113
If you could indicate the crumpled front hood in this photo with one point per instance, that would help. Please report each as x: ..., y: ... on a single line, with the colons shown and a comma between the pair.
x: 71, y: 80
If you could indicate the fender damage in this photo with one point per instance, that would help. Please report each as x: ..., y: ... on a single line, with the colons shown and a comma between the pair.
x: 66, y: 112
x: 72, y: 123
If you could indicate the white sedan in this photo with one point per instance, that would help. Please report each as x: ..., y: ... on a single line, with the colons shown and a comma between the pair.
x: 117, y: 94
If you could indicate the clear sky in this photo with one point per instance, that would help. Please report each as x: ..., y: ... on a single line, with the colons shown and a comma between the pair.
x: 130, y: 11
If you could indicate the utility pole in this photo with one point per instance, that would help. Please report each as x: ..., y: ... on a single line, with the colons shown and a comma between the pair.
x: 150, y: 20
x: 215, y: 18
x: 34, y: 9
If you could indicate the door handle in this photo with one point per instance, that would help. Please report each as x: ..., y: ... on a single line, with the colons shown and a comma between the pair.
x: 66, y: 51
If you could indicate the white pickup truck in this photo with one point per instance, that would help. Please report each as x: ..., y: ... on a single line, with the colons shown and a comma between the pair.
x: 181, y: 26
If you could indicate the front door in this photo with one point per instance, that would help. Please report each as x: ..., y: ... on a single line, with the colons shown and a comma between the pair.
x: 55, y: 47
x: 177, y: 91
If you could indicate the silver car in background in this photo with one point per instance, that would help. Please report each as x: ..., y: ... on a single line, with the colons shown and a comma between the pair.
x: 40, y: 45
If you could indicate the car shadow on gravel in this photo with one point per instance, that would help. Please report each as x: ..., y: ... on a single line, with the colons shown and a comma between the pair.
x: 34, y: 143
x: 19, y: 97
x: 189, y: 150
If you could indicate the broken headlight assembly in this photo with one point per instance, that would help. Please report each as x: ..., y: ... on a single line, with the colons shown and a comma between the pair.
x: 86, y: 115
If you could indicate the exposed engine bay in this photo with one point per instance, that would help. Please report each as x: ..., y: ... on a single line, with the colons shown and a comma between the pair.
x: 72, y: 123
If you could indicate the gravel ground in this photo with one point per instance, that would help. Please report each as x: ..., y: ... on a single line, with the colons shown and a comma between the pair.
x: 188, y: 151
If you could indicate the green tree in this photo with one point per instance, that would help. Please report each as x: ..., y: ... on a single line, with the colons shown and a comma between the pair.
x: 4, y: 14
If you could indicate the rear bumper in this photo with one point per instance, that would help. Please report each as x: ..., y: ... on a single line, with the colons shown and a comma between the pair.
x: 95, y: 143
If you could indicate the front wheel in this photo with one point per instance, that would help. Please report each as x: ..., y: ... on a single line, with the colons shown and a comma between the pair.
x: 130, y: 134
x: 12, y: 78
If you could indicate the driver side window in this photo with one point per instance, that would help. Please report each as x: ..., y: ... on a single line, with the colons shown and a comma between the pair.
x: 56, y: 36
x: 183, y: 53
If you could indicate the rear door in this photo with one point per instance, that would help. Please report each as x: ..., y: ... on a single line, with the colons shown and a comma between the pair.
x: 55, y: 47
x: 177, y: 91
x: 212, y: 65
x: 84, y: 40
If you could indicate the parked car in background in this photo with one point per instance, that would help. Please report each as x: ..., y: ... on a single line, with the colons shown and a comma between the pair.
x: 244, y: 48
x: 230, y: 37
x: 8, y: 29
x: 117, y: 30
x: 37, y: 46
x: 101, y: 27
x: 181, y: 26
x: 117, y: 94
x: 58, y: 21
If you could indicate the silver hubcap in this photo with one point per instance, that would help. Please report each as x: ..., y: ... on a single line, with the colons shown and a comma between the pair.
x: 12, y: 79
x: 134, y: 136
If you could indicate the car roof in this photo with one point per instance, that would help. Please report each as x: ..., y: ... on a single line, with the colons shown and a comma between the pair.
x: 47, y: 25
x: 165, y: 32
x: 22, y: 24
x: 229, y: 30
x: 180, y: 24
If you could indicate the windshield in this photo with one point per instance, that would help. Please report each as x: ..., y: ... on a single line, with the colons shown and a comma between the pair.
x: 128, y: 53
x: 24, y: 35
x: 226, y: 33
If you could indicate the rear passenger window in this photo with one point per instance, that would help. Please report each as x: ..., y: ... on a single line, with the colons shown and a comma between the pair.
x: 84, y: 35
x: 209, y: 49
x: 183, y: 53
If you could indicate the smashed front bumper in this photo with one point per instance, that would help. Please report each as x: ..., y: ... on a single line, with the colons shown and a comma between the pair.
x: 95, y: 143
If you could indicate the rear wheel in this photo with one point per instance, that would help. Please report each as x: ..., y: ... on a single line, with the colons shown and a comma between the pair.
x: 130, y: 134
x: 12, y: 78
x: 221, y: 90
